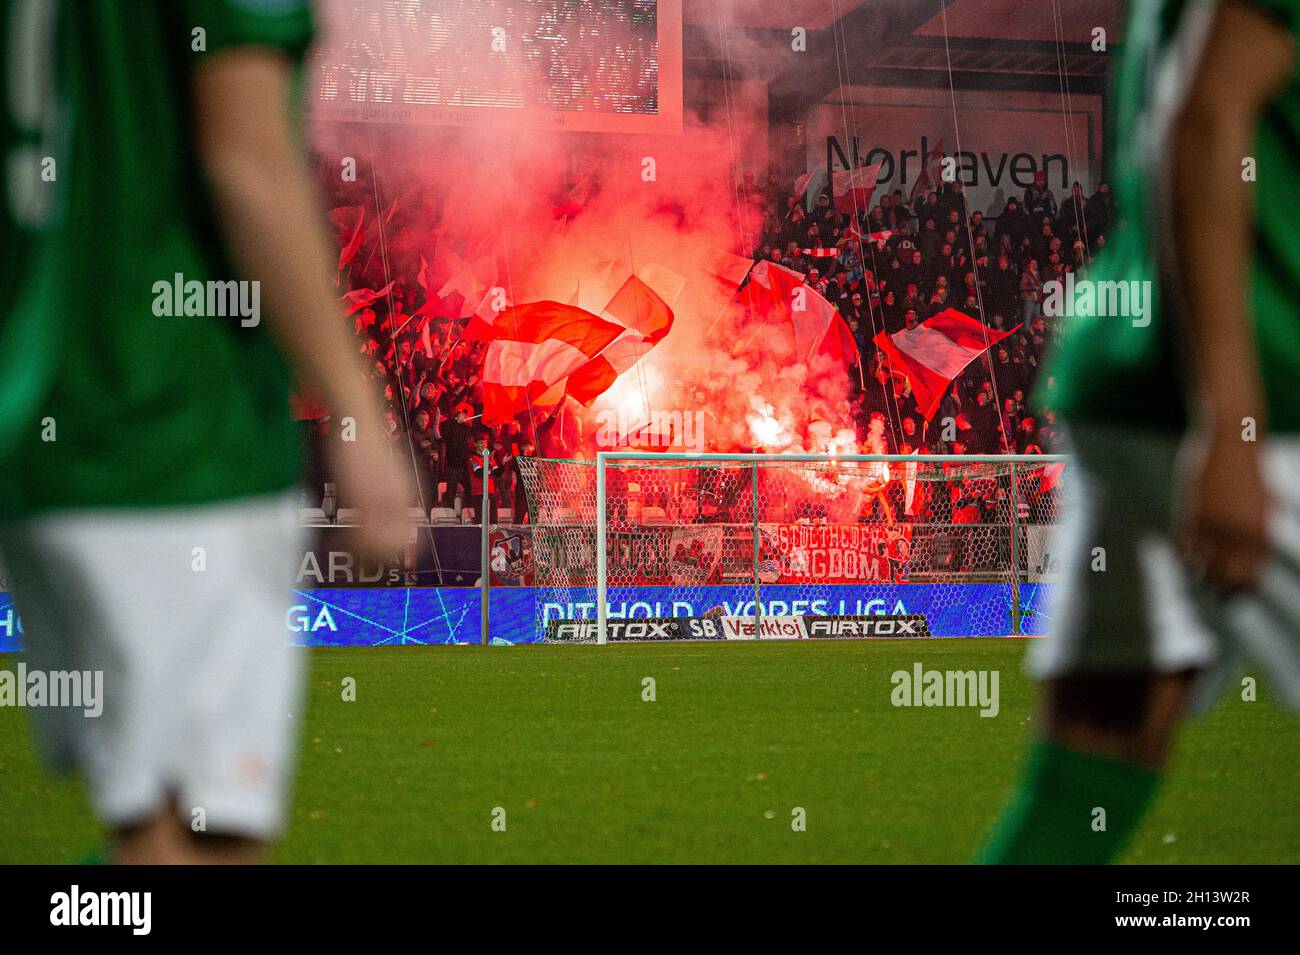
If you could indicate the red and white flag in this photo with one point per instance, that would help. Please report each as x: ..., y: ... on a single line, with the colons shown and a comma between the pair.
x: 729, y: 269
x: 1050, y: 476
x: 935, y: 352
x: 801, y: 184
x: 350, y: 221
x: 533, y: 347
x: 931, y: 172
x: 476, y: 284
x: 851, y: 189
x: 646, y: 320
x: 775, y: 292
x: 360, y: 298
x: 880, y: 238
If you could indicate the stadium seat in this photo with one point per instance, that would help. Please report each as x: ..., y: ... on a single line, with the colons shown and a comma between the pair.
x: 312, y: 517
x: 415, y: 515
x: 442, y: 515
x: 654, y: 515
x: 348, y: 515
x: 505, y: 515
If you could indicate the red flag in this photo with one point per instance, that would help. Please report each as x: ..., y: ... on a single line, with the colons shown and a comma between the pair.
x: 362, y: 297
x: 880, y: 238
x: 646, y: 321
x: 838, y: 342
x: 425, y: 340
x: 935, y: 352
x: 474, y: 281
x: 1050, y: 476
x: 533, y: 347
x: 852, y: 188
x: 931, y: 172
x: 422, y: 279
x: 775, y: 292
x: 350, y: 221
x: 729, y: 269
x: 801, y: 184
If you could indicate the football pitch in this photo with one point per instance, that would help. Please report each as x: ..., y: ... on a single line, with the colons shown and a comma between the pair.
x: 551, y: 754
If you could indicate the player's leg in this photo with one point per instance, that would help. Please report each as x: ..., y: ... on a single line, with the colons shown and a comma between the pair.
x: 158, y: 839
x: 1118, y: 674
x: 182, y: 613
x: 164, y: 839
x: 1125, y: 716
x: 242, y: 686
x: 1089, y: 780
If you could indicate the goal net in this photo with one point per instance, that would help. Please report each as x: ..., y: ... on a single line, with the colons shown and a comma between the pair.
x: 959, y: 544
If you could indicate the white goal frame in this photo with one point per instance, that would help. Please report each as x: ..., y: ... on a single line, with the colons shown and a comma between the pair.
x: 603, y: 458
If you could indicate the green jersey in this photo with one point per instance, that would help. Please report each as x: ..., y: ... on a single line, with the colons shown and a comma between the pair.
x: 1110, y: 368
x: 127, y: 376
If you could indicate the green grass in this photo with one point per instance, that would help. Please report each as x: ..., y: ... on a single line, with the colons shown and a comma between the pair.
x: 739, y: 735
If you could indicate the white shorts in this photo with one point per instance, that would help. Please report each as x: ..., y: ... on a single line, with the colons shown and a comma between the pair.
x: 200, y: 684
x: 1143, y: 611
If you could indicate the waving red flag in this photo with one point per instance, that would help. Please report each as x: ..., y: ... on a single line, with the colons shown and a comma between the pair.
x: 362, y: 297
x: 777, y: 293
x: 350, y: 221
x: 533, y: 347
x: 935, y: 352
x: 646, y: 321
x: 852, y: 188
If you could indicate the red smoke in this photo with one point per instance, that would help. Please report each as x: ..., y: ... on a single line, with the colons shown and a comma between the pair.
x: 568, y: 217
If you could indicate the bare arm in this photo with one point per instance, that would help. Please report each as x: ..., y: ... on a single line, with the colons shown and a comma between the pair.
x: 1246, y: 62
x: 269, y: 213
x: 269, y: 216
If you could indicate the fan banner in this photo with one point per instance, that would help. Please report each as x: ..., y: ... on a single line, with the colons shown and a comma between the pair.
x: 696, y: 555
x: 834, y: 553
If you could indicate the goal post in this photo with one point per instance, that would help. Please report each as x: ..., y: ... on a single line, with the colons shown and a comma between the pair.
x: 961, y: 540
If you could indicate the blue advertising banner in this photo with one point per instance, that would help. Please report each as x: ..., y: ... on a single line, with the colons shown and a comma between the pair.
x: 367, y: 617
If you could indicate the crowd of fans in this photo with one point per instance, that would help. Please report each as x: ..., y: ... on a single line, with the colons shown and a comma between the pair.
x: 927, y: 254
x: 933, y: 253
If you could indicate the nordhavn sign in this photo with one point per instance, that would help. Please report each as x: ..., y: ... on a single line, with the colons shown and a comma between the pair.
x: 996, y: 142
x: 900, y: 169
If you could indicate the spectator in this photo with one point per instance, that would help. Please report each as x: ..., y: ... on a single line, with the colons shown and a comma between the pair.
x: 456, y: 434
x: 1031, y: 291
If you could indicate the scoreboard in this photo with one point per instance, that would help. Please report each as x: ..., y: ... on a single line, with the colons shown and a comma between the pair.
x: 602, y: 65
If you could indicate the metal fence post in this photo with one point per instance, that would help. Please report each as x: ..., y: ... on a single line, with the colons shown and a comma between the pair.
x: 602, y: 591
x: 1014, y: 499
x: 758, y: 606
x: 485, y: 562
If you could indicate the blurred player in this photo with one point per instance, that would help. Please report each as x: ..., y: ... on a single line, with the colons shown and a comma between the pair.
x: 148, y: 462
x: 1183, y: 543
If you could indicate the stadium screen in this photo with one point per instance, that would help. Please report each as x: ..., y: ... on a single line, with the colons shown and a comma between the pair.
x: 592, y: 65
